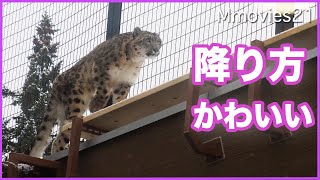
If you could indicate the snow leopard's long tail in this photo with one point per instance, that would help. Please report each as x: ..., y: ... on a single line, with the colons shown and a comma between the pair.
x: 43, y: 137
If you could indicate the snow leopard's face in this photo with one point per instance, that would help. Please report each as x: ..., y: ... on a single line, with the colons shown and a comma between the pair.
x: 148, y: 43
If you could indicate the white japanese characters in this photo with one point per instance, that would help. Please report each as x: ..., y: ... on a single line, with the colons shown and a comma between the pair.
x: 213, y: 63
x: 239, y: 117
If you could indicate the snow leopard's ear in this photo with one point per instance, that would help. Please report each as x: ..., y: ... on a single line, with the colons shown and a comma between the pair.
x: 136, y: 31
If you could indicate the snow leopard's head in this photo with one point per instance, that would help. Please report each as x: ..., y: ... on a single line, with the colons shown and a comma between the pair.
x: 147, y: 43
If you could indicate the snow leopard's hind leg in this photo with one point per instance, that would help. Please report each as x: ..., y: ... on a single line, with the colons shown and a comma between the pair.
x: 75, y: 106
x: 43, y: 137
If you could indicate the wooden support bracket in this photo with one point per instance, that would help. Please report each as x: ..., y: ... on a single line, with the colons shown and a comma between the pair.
x: 212, y: 149
x: 72, y: 163
x: 255, y: 93
x: 15, y: 159
x: 278, y: 135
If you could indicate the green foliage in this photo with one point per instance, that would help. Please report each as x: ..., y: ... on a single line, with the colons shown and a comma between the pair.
x: 35, y: 92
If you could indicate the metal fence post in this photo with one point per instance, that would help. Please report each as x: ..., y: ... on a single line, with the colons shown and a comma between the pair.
x: 283, y: 26
x: 114, y: 19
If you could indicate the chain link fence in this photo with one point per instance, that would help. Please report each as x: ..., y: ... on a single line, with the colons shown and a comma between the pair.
x: 82, y: 26
x: 183, y: 24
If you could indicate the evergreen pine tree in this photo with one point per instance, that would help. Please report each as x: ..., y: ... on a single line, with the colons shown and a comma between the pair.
x: 35, y: 91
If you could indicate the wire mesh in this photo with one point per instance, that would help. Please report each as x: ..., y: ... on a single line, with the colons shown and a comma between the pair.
x: 83, y: 26
x: 183, y: 24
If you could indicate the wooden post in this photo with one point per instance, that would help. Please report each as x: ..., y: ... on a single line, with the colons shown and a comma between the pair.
x: 13, y: 166
x: 254, y: 89
x: 72, y: 164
